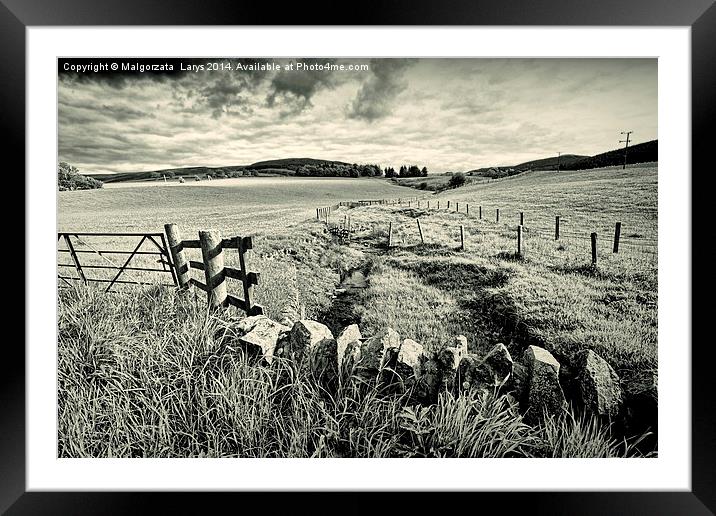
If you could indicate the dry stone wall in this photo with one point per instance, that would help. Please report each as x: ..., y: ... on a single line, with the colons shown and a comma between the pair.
x: 386, y: 360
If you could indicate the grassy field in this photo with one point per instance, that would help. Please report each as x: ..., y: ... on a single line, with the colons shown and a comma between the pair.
x: 229, y: 205
x: 429, y: 292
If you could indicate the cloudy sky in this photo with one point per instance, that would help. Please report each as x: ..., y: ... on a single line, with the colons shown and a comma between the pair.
x: 446, y: 114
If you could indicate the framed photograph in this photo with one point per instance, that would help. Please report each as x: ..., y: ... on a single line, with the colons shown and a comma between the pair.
x: 302, y: 256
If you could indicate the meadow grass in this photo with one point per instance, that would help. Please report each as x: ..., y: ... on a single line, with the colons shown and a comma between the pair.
x: 147, y: 376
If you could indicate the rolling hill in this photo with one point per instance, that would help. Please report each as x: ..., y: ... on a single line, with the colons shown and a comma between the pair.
x: 641, y: 153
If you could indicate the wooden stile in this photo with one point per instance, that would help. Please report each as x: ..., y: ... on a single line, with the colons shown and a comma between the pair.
x: 181, y: 265
x: 213, y: 254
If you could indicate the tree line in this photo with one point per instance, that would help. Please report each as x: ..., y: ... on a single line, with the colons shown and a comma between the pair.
x: 406, y: 171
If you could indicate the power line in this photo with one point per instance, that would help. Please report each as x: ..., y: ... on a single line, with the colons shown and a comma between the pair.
x: 626, y: 147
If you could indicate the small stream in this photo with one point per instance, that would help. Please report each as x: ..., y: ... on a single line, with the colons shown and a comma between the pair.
x: 348, y: 294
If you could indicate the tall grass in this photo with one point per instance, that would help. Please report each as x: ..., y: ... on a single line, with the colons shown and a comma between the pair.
x: 144, y: 375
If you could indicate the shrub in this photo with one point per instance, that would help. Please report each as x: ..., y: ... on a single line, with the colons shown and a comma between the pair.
x: 457, y: 180
x: 69, y: 178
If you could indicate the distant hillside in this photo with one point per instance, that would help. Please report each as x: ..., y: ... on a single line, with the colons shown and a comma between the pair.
x: 563, y: 161
x: 294, y: 163
x: 640, y: 153
x: 286, y: 167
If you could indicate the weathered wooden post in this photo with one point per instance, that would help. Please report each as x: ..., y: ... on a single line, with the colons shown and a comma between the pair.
x: 594, y: 248
x: 420, y: 230
x: 428, y: 204
x: 617, y: 234
x: 462, y: 237
x: 457, y: 206
x: 497, y: 215
x: 438, y: 205
x: 390, y: 234
x: 556, y: 227
x: 245, y: 245
x: 467, y: 209
x: 519, y: 240
x: 522, y: 218
x: 448, y: 205
x: 318, y: 217
x: 480, y: 212
x: 181, y: 264
x: 213, y: 256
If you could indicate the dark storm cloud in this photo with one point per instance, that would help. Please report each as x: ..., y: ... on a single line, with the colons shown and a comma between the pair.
x: 124, y: 113
x: 293, y: 90
x: 376, y: 95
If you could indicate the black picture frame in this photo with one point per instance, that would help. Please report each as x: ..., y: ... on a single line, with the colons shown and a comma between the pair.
x: 700, y: 15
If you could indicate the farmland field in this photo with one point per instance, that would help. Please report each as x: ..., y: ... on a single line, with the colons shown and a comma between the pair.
x: 223, y: 204
x: 428, y: 291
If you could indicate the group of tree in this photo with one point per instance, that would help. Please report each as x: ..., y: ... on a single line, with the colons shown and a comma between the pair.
x: 406, y: 171
x: 338, y: 170
x: 69, y: 178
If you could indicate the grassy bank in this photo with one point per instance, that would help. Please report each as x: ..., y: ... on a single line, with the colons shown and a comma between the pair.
x: 143, y: 376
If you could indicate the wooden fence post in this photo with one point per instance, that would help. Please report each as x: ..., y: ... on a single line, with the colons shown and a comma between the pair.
x: 497, y: 215
x: 420, y: 230
x: 480, y: 212
x: 462, y: 237
x: 522, y: 218
x: 317, y: 216
x: 457, y: 206
x: 213, y: 256
x: 594, y: 248
x: 179, y: 261
x: 617, y: 234
x: 390, y: 234
x: 428, y: 204
x: 246, y: 244
x: 467, y: 209
x: 556, y: 227
x: 448, y: 205
x: 519, y: 240
x: 438, y: 205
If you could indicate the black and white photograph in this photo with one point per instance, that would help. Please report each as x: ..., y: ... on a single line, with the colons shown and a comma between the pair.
x: 301, y: 257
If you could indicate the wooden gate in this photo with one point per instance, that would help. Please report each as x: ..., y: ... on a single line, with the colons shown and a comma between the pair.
x: 96, y: 258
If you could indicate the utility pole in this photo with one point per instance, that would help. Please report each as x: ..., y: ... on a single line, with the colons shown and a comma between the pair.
x: 559, y: 160
x: 626, y: 147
